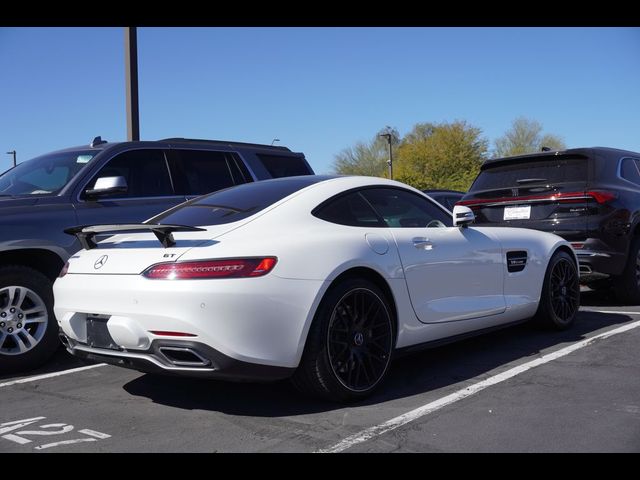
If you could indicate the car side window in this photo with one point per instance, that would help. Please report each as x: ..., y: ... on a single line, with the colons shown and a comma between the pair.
x: 145, y: 171
x: 348, y: 209
x: 630, y: 170
x: 284, y: 165
x: 205, y: 171
x: 403, y: 209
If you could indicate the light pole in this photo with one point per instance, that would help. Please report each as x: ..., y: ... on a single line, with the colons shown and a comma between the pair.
x: 390, y: 161
x: 274, y: 140
x: 13, y: 152
x: 131, y: 82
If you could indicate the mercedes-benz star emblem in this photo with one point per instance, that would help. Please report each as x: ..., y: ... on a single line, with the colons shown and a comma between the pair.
x: 100, y: 262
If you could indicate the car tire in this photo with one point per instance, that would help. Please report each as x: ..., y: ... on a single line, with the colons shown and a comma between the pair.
x: 560, y: 296
x: 28, y: 328
x: 627, y: 285
x: 350, y: 343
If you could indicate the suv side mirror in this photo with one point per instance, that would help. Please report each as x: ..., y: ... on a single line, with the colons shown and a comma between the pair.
x: 462, y: 216
x: 107, y: 186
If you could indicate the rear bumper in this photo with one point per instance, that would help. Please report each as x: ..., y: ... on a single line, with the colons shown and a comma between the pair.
x: 598, y: 265
x: 598, y: 260
x: 195, y: 360
x: 262, y: 320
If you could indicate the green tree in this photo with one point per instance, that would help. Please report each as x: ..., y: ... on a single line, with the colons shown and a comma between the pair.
x: 525, y: 136
x: 440, y: 155
x: 367, y: 158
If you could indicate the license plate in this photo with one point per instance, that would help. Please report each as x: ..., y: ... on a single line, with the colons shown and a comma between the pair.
x: 98, y: 335
x: 517, y: 213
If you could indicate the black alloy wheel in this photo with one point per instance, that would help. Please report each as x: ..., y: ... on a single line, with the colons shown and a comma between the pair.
x: 359, y: 339
x: 565, y: 290
x: 560, y: 297
x: 350, y: 343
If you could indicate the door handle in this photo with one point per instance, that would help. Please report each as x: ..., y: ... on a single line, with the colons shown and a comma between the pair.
x: 423, y: 243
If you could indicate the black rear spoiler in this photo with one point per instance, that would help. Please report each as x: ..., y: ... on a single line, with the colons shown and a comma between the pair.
x: 164, y: 233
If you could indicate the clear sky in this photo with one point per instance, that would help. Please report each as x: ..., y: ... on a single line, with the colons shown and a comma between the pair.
x: 318, y: 90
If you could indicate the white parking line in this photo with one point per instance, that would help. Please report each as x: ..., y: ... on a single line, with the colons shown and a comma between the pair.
x: 401, y: 420
x: 50, y: 375
x: 609, y: 311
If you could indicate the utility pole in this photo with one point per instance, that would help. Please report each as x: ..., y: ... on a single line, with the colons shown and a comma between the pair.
x: 13, y: 152
x: 131, y: 80
x: 390, y: 161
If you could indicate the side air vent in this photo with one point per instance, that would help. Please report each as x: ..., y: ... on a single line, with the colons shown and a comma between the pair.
x: 516, y: 261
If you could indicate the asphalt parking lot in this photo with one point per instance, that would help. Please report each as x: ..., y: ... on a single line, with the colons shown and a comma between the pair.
x: 516, y: 390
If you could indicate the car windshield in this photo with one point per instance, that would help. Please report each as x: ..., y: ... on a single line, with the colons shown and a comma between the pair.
x: 235, y: 203
x: 44, y: 175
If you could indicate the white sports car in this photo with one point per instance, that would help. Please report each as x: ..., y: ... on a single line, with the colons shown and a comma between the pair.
x: 318, y: 278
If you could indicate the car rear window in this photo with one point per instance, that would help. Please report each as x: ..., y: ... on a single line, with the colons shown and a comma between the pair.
x: 284, y: 165
x: 544, y: 171
x: 236, y: 203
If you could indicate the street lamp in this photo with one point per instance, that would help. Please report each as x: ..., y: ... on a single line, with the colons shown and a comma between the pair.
x: 390, y: 161
x: 13, y: 152
x: 274, y: 140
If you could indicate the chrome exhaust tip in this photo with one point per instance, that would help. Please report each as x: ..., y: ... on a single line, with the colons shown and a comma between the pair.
x: 184, y: 357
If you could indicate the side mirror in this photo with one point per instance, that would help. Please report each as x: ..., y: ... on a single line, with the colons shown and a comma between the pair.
x: 462, y: 216
x: 107, y: 186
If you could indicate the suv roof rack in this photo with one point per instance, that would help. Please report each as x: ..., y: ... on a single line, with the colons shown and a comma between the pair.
x: 224, y: 142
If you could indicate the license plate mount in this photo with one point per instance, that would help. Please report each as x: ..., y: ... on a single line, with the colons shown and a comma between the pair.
x: 98, y: 335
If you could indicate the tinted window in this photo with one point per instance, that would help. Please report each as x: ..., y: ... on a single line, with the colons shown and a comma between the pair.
x: 629, y: 170
x: 47, y: 174
x: 544, y: 172
x: 350, y: 209
x: 202, y: 171
x: 233, y: 204
x: 284, y: 165
x: 401, y: 208
x: 144, y: 170
x: 239, y: 169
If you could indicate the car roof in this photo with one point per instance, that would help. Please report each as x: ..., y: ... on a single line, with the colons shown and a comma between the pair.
x: 176, y: 140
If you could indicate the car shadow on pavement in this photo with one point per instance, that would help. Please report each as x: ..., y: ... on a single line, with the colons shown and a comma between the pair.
x: 410, y: 375
x: 599, y: 298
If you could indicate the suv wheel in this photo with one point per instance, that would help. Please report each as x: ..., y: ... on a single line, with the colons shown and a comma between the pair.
x: 28, y: 329
x: 627, y: 285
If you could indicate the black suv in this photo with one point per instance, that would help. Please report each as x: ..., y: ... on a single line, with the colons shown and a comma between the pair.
x: 589, y: 196
x: 125, y: 182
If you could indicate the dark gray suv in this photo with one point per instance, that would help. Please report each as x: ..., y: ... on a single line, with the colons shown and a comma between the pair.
x: 124, y: 182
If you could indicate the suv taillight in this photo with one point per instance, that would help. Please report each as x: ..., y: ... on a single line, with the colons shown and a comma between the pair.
x: 600, y: 196
x: 226, y: 268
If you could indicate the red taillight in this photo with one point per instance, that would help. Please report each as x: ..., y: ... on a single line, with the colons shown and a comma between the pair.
x: 602, y: 196
x: 227, y: 268
x: 577, y: 245
x: 64, y: 270
x: 171, y: 334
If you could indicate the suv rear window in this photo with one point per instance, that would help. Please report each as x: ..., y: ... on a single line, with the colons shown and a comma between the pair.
x: 284, y: 165
x: 546, y: 171
x: 233, y: 204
